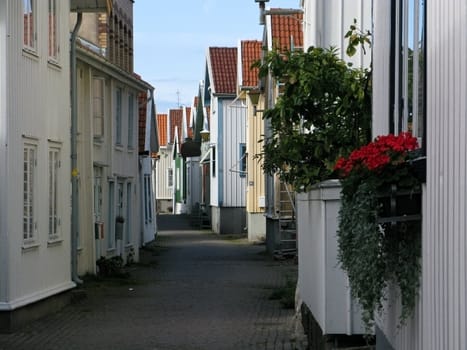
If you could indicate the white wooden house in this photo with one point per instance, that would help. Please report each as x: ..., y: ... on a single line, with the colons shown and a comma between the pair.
x: 164, y: 170
x: 148, y: 148
x: 227, y: 141
x: 107, y: 144
x: 35, y: 155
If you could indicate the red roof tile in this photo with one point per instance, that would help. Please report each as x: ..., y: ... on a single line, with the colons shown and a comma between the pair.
x: 224, y: 69
x: 251, y: 52
x: 162, y: 129
x: 175, y: 120
x: 189, y: 129
x: 287, y: 30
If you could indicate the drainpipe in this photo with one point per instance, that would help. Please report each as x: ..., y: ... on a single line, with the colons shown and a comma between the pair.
x: 74, y: 155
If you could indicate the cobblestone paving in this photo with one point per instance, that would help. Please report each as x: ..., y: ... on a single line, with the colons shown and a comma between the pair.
x: 193, y: 290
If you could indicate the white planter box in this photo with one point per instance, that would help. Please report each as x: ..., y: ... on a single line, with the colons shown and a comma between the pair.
x: 323, y: 285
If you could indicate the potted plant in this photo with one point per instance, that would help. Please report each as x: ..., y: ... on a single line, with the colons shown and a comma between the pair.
x: 379, y: 235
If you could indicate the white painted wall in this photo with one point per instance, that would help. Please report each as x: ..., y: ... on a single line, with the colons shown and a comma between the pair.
x: 444, y: 235
x: 119, y: 163
x: 163, y: 191
x: 323, y: 285
x: 213, y: 141
x: 327, y: 21
x: 441, y: 319
x: 234, y: 133
x: 35, y: 106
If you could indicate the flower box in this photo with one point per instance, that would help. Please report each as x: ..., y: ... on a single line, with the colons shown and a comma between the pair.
x: 398, y: 205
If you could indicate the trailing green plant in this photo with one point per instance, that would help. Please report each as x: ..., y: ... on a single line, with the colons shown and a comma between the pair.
x: 379, y: 244
x: 323, y: 112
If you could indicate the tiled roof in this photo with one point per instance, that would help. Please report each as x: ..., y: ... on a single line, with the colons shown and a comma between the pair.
x: 189, y: 129
x: 224, y: 69
x: 251, y: 52
x: 162, y: 129
x: 175, y: 120
x: 287, y: 29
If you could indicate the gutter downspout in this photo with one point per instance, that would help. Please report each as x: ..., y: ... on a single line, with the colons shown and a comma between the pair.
x: 74, y: 155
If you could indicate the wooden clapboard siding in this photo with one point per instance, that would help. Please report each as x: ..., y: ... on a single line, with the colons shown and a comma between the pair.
x: 440, y: 320
x: 234, y: 133
x: 444, y: 248
x: 256, y: 179
x: 34, y: 102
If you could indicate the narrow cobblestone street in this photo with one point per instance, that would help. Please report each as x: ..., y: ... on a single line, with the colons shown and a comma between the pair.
x: 191, y: 290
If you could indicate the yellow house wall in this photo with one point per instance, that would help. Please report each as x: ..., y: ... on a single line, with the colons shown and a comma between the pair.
x: 255, y: 179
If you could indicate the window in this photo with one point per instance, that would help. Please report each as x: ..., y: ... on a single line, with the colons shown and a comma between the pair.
x: 29, y: 175
x: 98, y: 85
x: 97, y: 194
x: 148, y: 217
x: 29, y: 24
x: 128, y: 236
x: 131, y: 120
x: 111, y: 225
x: 213, y: 161
x: 409, y: 48
x: 242, y: 160
x: 118, y: 116
x: 170, y: 177
x: 53, y: 30
x: 54, y: 220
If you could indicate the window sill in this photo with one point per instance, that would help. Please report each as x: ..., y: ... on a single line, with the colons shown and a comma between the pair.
x: 54, y: 242
x: 55, y: 65
x: 30, y: 53
x: 28, y: 247
x: 119, y: 148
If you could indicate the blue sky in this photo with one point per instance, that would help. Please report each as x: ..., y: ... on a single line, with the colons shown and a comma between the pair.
x: 171, y: 39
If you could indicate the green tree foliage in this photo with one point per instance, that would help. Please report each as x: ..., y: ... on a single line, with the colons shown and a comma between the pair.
x: 323, y: 112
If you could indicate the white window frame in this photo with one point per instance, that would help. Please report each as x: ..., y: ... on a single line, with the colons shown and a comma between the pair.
x: 111, y: 216
x: 29, y: 21
x: 243, y: 160
x: 98, y: 107
x: 30, y: 148
x: 54, y: 222
x: 118, y: 116
x: 170, y: 178
x: 129, y: 212
x: 131, y: 121
x: 409, y: 109
x: 148, y: 211
x: 98, y: 200
x: 54, y: 31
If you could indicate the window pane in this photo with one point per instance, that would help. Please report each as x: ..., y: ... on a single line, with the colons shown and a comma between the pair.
x: 29, y: 25
x: 130, y: 120
x: 98, y: 106
x: 118, y: 109
x: 53, y: 29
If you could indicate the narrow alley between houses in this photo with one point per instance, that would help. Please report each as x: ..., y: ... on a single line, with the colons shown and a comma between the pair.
x: 191, y: 290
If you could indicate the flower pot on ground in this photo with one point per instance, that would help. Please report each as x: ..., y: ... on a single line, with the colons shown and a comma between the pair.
x: 379, y: 236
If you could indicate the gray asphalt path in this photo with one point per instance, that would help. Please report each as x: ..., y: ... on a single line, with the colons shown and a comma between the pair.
x: 192, y: 290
